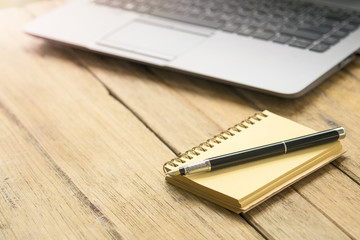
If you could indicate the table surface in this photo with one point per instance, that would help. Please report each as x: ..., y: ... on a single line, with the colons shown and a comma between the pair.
x: 84, y: 136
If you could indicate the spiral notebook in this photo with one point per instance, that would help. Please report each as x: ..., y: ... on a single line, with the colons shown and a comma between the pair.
x: 242, y: 187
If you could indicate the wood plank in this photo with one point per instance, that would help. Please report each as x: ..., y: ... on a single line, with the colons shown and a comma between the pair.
x: 192, y: 124
x: 335, y: 195
x: 292, y: 220
x: 108, y: 154
x: 35, y: 201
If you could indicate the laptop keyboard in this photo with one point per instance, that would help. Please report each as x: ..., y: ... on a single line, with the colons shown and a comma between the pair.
x: 298, y: 24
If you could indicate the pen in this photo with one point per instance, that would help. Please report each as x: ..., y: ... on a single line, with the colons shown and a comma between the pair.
x: 261, y: 152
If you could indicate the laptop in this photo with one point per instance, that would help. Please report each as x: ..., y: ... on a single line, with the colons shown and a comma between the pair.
x: 281, y: 47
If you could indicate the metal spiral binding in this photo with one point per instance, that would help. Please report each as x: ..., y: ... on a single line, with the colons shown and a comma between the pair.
x: 217, y: 139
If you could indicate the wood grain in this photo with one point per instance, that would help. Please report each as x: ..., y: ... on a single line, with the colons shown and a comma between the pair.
x: 331, y: 189
x: 108, y: 74
x: 101, y: 128
x: 36, y: 201
x: 106, y: 152
x: 212, y: 113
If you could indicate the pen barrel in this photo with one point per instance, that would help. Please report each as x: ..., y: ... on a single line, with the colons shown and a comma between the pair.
x: 312, y: 140
x: 275, y: 149
x: 245, y: 156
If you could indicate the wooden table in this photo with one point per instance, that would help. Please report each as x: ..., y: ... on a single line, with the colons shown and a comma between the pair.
x: 84, y: 136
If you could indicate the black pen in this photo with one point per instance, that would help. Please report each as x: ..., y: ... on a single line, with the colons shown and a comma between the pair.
x: 262, y: 152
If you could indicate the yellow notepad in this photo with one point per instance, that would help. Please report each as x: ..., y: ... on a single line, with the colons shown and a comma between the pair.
x: 241, y: 187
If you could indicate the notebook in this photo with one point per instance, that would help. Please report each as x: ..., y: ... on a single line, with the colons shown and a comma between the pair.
x: 242, y: 187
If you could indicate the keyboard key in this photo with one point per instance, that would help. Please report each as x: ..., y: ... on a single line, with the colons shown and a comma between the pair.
x: 241, y: 20
x: 245, y: 31
x: 277, y: 19
x: 321, y: 47
x: 275, y: 27
x: 257, y: 23
x: 340, y: 34
x: 282, y: 39
x: 337, y: 16
x: 331, y: 22
x: 331, y: 40
x: 187, y: 19
x: 320, y: 29
x: 302, y: 34
x: 230, y: 27
x: 266, y: 35
x: 350, y: 27
x: 355, y: 20
x: 300, y: 43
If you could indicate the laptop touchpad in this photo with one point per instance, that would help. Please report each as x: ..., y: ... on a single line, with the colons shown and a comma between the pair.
x: 153, y: 39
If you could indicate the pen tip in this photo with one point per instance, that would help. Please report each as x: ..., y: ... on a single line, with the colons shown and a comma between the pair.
x: 174, y: 172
